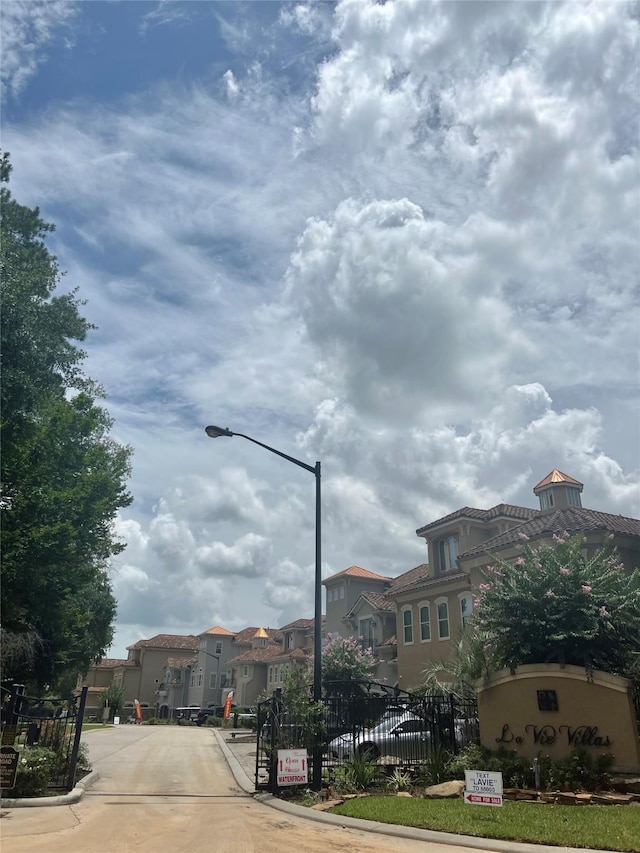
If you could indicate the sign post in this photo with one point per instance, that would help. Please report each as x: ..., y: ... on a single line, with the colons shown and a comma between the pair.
x: 8, y: 767
x: 293, y: 767
x: 482, y: 788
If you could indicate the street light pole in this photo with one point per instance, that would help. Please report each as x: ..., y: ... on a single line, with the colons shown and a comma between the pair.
x: 218, y: 432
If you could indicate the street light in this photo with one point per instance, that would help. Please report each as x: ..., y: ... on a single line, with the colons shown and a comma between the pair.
x: 220, y: 432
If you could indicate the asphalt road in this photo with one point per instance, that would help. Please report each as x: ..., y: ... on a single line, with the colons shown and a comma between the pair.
x: 170, y: 788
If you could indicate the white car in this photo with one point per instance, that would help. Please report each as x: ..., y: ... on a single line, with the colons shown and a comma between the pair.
x: 404, y: 736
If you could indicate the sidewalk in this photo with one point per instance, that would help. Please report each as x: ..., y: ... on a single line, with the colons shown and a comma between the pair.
x: 239, y: 750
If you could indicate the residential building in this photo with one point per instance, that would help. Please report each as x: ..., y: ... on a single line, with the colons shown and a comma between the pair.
x: 208, y: 673
x: 435, y: 601
x: 343, y: 590
x: 263, y: 667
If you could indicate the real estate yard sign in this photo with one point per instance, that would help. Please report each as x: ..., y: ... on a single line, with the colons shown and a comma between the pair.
x: 482, y: 788
x: 293, y: 767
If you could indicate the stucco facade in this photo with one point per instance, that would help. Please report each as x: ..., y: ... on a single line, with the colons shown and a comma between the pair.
x: 551, y: 710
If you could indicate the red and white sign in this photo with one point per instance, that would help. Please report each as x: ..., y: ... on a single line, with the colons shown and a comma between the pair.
x: 482, y: 788
x: 482, y: 799
x: 293, y: 767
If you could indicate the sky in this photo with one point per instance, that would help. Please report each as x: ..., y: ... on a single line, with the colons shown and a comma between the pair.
x: 399, y: 238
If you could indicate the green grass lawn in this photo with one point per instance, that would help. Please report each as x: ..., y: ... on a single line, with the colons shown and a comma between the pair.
x: 600, y: 827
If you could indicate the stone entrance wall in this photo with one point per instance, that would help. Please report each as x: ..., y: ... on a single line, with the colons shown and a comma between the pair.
x: 551, y: 709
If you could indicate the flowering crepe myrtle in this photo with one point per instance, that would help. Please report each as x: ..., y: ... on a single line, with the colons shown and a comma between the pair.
x: 556, y: 602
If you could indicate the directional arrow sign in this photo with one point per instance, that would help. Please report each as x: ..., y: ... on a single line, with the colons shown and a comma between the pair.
x: 482, y: 799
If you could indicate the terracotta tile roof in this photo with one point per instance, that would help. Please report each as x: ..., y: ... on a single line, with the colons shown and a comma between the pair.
x: 247, y: 634
x: 299, y: 623
x: 168, y: 641
x: 267, y: 653
x: 180, y: 662
x: 428, y: 582
x: 408, y: 579
x: 111, y: 663
x: 518, y: 513
x: 376, y: 600
x: 357, y: 572
x: 557, y: 477
x: 219, y: 630
x: 573, y: 520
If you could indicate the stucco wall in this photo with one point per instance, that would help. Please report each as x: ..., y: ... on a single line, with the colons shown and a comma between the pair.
x: 595, y: 713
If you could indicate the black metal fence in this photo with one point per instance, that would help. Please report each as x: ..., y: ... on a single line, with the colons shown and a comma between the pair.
x: 28, y: 722
x: 392, y: 728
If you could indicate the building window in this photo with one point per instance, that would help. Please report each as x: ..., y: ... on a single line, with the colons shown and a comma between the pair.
x: 218, y: 650
x: 193, y: 680
x: 270, y: 675
x: 425, y: 623
x: 546, y: 500
x: 447, y: 553
x: 200, y: 679
x: 213, y: 678
x: 342, y: 592
x: 367, y: 633
x: 289, y: 641
x: 443, y: 620
x: 407, y: 626
x: 466, y: 609
x: 329, y: 595
x: 203, y: 644
x: 573, y: 497
x: 245, y: 671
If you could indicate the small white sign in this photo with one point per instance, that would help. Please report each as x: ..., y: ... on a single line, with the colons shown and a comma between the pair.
x: 293, y: 767
x: 483, y: 788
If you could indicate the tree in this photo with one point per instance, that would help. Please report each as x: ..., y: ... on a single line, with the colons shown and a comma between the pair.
x: 112, y: 699
x: 345, y: 664
x: 554, y: 603
x: 63, y: 477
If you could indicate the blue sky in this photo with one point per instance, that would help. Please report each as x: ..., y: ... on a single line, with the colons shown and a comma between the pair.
x: 400, y: 238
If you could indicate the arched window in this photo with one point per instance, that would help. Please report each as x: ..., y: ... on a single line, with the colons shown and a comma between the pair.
x: 407, y: 626
x: 466, y: 608
x: 424, y: 612
x: 442, y: 608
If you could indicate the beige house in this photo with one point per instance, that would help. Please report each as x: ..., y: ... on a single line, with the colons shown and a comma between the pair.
x: 142, y: 674
x: 343, y: 591
x: 263, y: 668
x: 207, y: 677
x: 435, y: 602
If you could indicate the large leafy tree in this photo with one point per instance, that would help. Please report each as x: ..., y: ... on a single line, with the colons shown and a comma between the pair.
x: 63, y: 477
x: 557, y: 603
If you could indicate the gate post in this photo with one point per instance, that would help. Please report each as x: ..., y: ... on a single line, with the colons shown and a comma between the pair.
x: 15, y: 704
x: 71, y: 778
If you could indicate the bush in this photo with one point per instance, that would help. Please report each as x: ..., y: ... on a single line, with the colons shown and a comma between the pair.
x: 580, y: 770
x: 35, y: 767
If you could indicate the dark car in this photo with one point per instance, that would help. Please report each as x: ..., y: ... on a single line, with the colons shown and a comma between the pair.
x: 211, y: 711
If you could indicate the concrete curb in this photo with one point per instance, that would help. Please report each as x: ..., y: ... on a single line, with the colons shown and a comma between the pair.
x: 470, y: 841
x: 73, y: 796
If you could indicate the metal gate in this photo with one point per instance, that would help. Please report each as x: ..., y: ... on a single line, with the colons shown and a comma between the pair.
x: 389, y: 726
x: 28, y: 722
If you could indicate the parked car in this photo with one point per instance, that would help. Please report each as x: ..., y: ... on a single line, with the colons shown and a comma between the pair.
x: 212, y: 711
x: 404, y: 736
x: 190, y: 713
